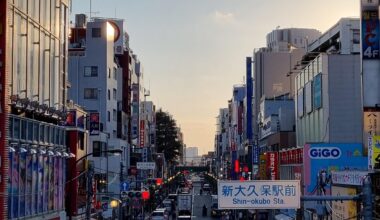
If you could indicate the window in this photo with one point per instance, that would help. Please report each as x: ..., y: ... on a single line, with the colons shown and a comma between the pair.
x: 96, y: 32
x: 81, y: 140
x: 114, y: 115
x: 109, y: 94
x: 114, y: 134
x: 108, y: 116
x: 90, y: 71
x: 114, y: 94
x: 97, y: 148
x: 109, y: 73
x: 90, y: 93
x: 114, y: 72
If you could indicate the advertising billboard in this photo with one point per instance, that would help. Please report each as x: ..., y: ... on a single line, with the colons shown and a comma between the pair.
x: 272, y: 165
x: 317, y: 91
x: 142, y: 133
x: 371, y: 128
x: 370, y: 34
x: 330, y: 157
x: 344, y: 209
x: 375, y: 156
x: 94, y: 123
x: 308, y: 97
x: 259, y: 194
x: 71, y: 118
x: 300, y: 103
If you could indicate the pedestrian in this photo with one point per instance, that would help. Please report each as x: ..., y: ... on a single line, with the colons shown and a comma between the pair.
x: 204, y: 212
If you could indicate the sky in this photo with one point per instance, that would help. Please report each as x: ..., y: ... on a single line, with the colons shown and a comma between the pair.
x: 194, y: 51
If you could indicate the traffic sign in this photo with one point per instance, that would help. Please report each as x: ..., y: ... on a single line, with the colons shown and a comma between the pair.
x: 124, y: 186
x: 146, y: 165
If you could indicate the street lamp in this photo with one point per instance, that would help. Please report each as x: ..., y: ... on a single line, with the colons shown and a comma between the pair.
x: 89, y: 176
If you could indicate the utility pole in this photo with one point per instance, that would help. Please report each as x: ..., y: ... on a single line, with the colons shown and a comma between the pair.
x: 90, y: 175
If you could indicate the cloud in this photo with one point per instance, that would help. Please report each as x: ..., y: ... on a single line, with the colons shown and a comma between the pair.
x: 224, y: 18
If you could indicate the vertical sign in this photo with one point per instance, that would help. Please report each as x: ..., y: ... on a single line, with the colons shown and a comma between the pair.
x: 94, y: 123
x: 370, y: 33
x: 375, y: 159
x: 3, y: 108
x: 272, y: 165
x: 142, y: 133
x: 371, y: 128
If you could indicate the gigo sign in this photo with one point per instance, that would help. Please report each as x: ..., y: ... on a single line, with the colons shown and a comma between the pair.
x: 325, y: 153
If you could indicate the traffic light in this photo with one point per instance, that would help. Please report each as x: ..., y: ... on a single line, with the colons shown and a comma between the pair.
x: 134, y: 194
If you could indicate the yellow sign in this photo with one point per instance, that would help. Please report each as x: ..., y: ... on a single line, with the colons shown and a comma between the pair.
x: 375, y: 161
x: 345, y: 209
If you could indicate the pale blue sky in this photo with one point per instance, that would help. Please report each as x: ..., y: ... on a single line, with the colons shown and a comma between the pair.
x: 193, y: 51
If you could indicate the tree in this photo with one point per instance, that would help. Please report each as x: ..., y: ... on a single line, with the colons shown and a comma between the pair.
x: 166, y: 136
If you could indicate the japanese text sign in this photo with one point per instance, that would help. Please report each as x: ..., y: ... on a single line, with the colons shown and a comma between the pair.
x: 259, y: 194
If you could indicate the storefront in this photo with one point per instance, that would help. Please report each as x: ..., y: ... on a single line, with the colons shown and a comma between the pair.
x: 37, y: 164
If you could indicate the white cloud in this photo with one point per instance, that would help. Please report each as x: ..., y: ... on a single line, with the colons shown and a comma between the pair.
x: 224, y: 18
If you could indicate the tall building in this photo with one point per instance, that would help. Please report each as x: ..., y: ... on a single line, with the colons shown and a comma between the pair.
x: 99, y: 77
x: 33, y: 78
x: 192, y: 155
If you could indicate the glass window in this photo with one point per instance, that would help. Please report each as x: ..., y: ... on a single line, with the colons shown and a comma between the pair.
x: 90, y: 71
x: 16, y: 128
x: 23, y: 129
x: 109, y: 94
x: 108, y: 116
x: 96, y: 148
x: 114, y: 73
x: 109, y: 73
x: 35, y: 132
x: 91, y: 93
x: 47, y: 133
x: 30, y: 131
x: 11, y: 127
x: 114, y: 94
x: 96, y: 32
x: 81, y: 140
x: 42, y: 132
x: 114, y: 115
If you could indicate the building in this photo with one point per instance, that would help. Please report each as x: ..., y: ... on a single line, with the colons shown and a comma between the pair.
x: 329, y: 103
x: 99, y: 77
x: 192, y: 155
x: 281, y: 40
x: 33, y: 78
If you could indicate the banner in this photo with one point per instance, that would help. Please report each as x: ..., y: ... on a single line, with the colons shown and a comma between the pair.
x: 94, y: 123
x: 142, y: 133
x: 370, y: 34
x: 375, y: 159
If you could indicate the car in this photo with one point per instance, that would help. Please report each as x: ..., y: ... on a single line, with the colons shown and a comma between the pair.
x: 206, y: 187
x: 168, y: 204
x: 184, y: 217
x: 159, y: 214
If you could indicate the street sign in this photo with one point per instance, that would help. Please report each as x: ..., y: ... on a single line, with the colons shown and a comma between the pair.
x: 124, y: 186
x: 259, y: 194
x: 146, y: 165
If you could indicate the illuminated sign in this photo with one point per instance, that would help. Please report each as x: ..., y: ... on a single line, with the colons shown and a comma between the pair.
x: 94, y: 123
x: 370, y: 34
x: 259, y: 194
x: 325, y: 153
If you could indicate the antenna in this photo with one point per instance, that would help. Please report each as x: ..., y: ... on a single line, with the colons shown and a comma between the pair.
x: 92, y: 12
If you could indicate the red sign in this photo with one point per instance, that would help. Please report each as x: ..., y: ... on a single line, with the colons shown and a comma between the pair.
x: 237, y: 166
x: 272, y: 165
x: 142, y: 133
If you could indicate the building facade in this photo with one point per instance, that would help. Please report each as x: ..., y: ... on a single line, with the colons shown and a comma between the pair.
x: 33, y: 77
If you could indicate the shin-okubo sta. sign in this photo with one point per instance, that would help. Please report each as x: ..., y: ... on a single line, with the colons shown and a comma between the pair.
x: 259, y: 194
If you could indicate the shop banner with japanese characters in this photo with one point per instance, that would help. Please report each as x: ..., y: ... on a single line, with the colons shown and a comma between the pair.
x: 259, y: 194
